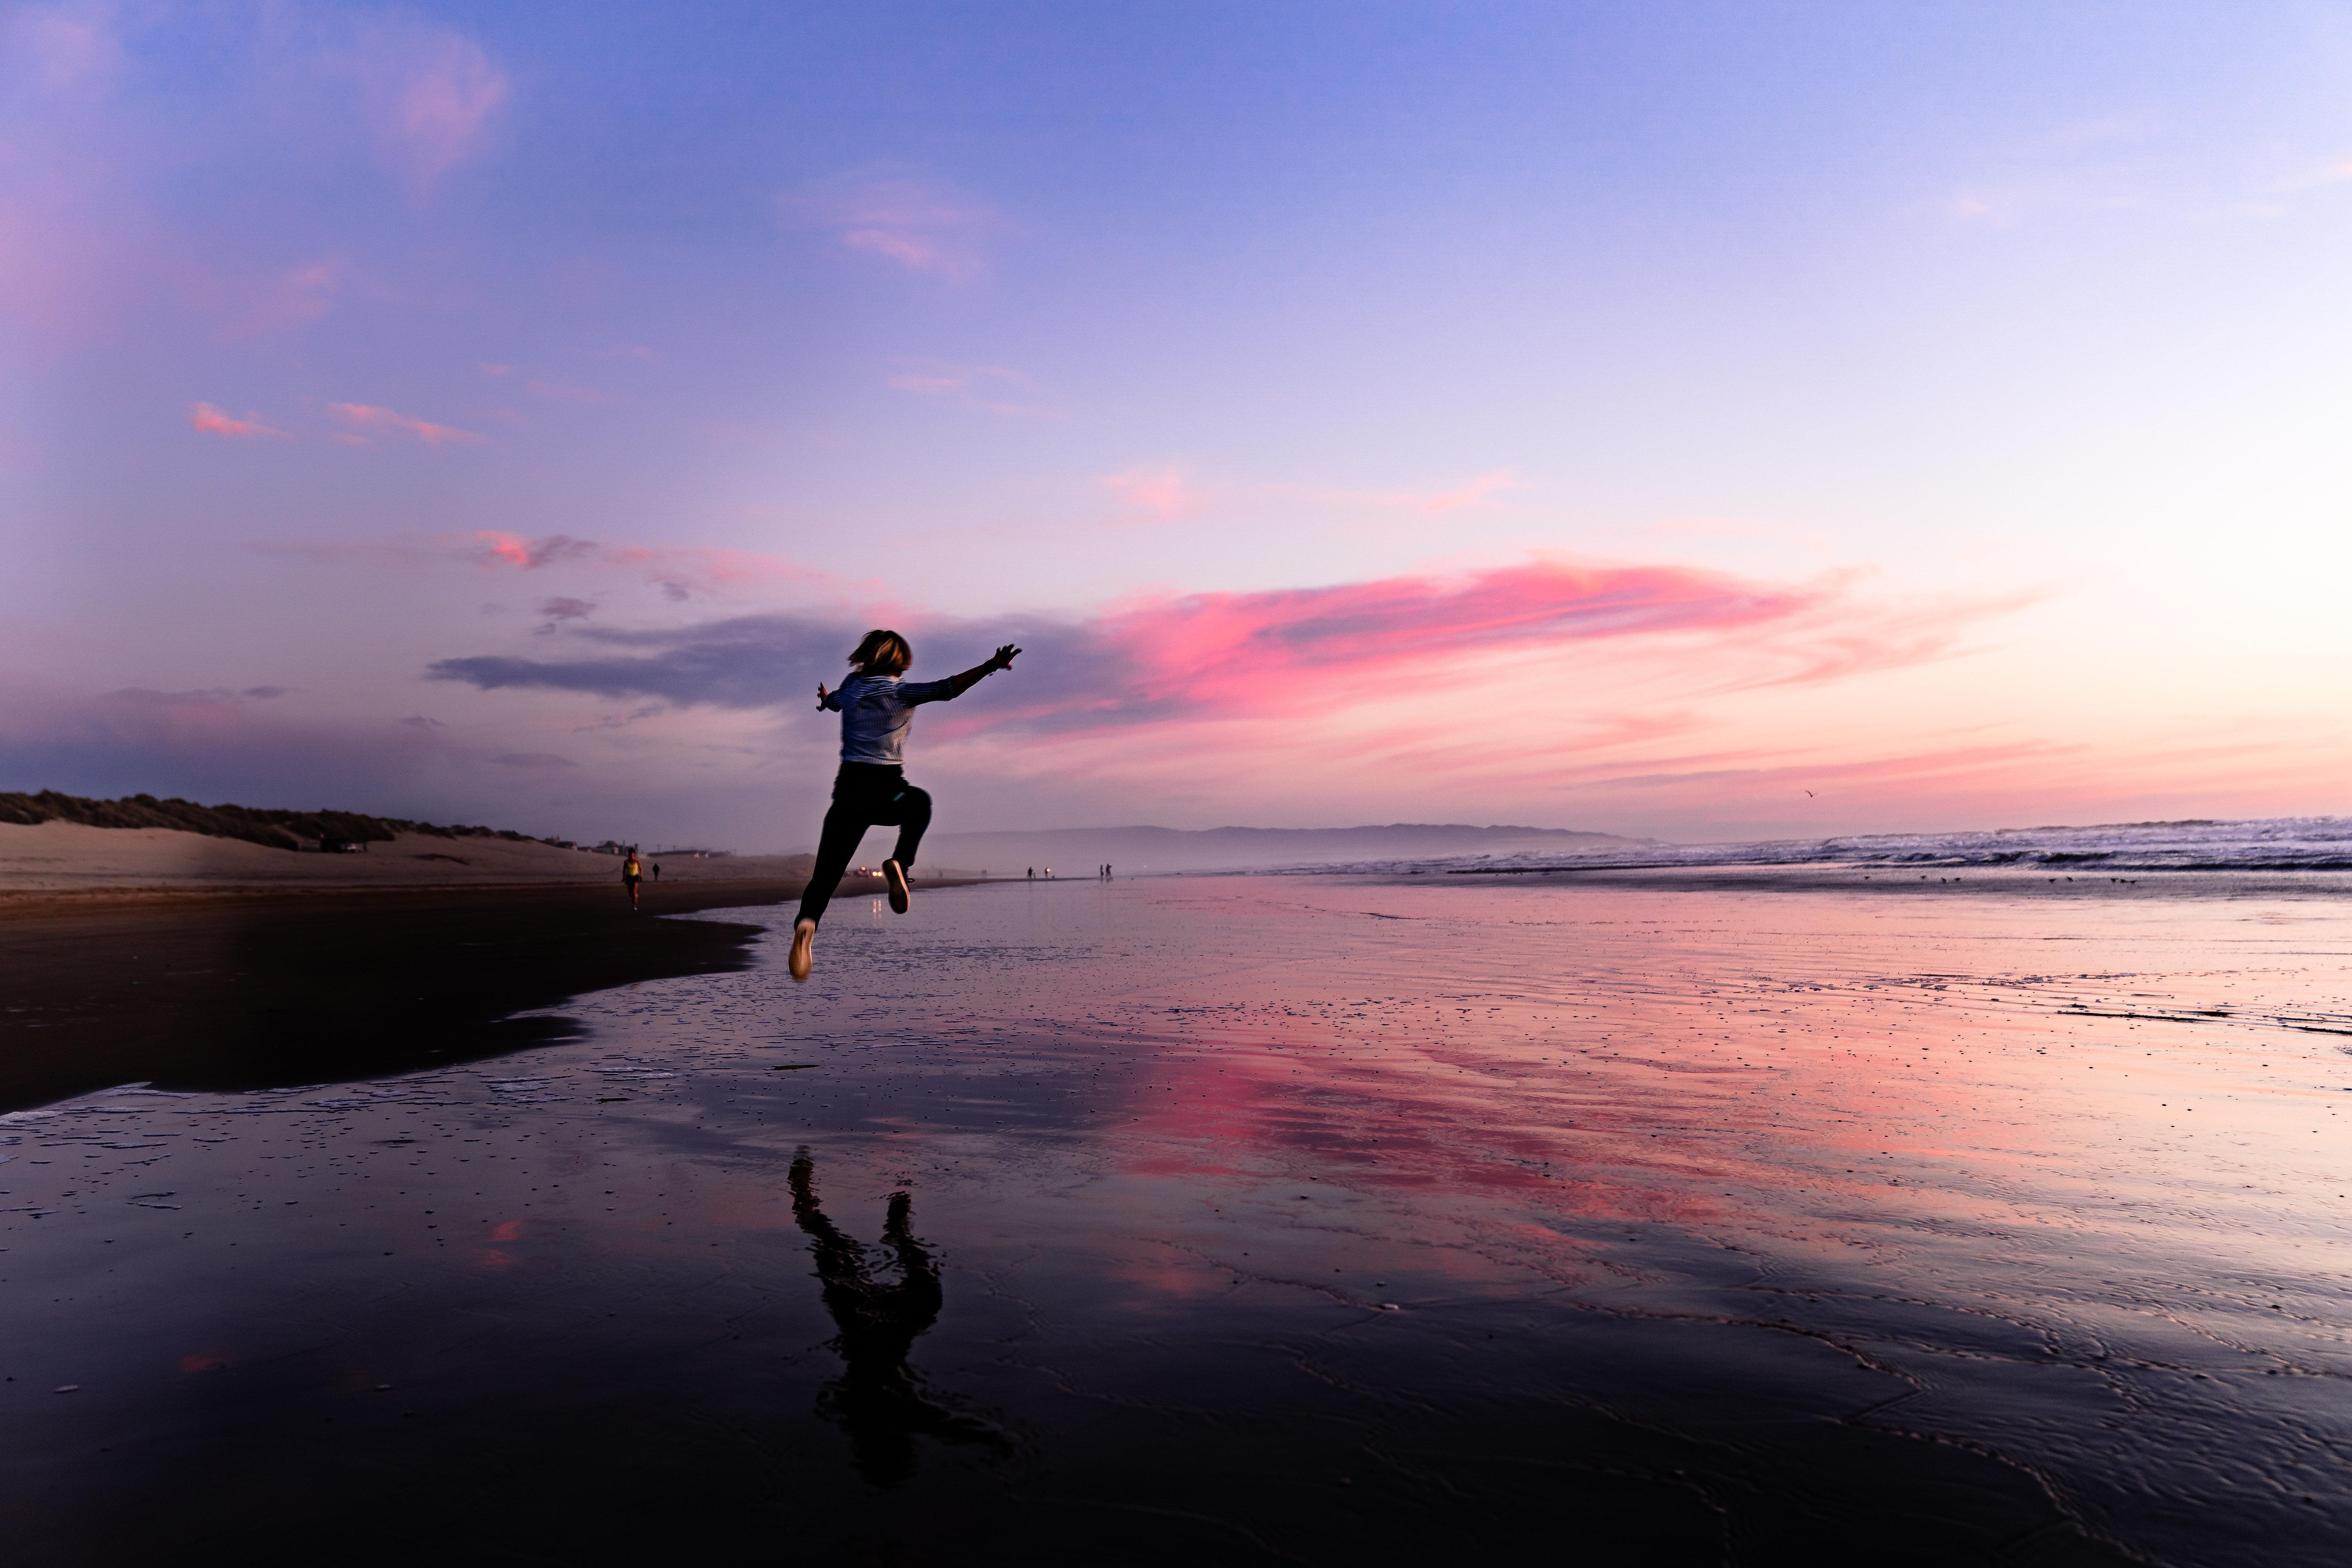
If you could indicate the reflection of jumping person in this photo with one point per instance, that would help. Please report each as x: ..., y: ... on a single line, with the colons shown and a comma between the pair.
x: 871, y: 789
x: 630, y: 872
x: 878, y: 1399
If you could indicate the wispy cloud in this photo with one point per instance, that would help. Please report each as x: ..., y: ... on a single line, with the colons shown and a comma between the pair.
x: 561, y: 392
x: 432, y: 96
x: 914, y: 224
x: 68, y: 48
x: 368, y: 417
x: 215, y: 421
x: 2314, y: 176
x: 1474, y: 493
x: 561, y: 610
x: 980, y: 386
x: 679, y: 572
x: 295, y: 297
x: 1162, y: 491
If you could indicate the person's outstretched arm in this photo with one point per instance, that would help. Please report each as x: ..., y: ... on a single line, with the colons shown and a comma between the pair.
x: 955, y: 686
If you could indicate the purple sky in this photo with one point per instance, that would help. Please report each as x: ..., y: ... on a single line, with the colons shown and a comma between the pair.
x: 1629, y: 417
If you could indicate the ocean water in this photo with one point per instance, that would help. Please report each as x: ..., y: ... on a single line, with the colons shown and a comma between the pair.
x: 1256, y: 1220
x: 2265, y: 843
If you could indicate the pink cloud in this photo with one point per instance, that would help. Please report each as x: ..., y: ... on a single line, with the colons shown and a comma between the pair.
x: 1160, y: 491
x: 1429, y: 503
x: 369, y: 417
x: 69, y: 51
x: 492, y: 548
x: 213, y: 421
x: 1236, y: 651
x: 1471, y: 494
x: 295, y: 297
x: 915, y: 225
x: 680, y: 572
x: 971, y: 386
x: 433, y: 99
x: 561, y: 393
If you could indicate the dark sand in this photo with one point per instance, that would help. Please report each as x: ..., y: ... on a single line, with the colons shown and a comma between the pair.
x: 1262, y: 1220
x: 224, y: 991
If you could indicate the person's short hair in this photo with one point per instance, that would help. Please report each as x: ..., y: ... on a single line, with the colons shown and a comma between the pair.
x: 882, y: 653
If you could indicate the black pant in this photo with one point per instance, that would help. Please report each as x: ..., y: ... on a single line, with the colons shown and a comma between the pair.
x: 865, y: 795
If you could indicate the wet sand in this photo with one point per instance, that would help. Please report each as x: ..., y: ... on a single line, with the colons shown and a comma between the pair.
x: 1269, y: 1219
x: 211, y: 990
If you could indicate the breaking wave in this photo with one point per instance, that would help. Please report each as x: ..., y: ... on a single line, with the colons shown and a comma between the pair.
x: 2269, y: 844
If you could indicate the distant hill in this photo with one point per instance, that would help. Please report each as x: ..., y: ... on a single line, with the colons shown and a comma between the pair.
x: 278, y: 829
x: 1076, y: 851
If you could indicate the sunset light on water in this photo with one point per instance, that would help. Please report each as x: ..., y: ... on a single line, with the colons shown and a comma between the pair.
x: 1763, y: 1218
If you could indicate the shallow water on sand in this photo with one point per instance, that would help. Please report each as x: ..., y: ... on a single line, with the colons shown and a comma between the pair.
x: 1270, y: 1219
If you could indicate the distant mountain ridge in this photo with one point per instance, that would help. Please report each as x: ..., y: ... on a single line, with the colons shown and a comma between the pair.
x: 1077, y: 851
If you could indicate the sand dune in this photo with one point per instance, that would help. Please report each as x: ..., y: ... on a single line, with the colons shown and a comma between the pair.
x: 64, y: 856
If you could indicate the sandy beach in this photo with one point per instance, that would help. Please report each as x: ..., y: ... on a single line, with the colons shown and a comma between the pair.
x: 1268, y: 1219
x: 56, y: 858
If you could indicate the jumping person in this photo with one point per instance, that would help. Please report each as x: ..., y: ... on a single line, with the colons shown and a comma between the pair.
x: 871, y: 789
x: 630, y: 872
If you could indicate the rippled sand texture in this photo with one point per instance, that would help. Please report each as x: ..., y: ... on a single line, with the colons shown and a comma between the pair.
x: 1266, y: 1219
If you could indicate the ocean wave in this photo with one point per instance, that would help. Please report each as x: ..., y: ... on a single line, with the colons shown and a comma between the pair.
x: 2266, y: 844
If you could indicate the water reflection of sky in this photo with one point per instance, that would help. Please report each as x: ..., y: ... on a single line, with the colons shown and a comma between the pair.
x: 1302, y: 1213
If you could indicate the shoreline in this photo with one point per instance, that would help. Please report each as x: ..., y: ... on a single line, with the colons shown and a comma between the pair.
x: 210, y: 988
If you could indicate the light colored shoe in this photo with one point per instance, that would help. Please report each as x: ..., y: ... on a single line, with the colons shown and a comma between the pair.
x: 896, y: 875
x: 804, y: 949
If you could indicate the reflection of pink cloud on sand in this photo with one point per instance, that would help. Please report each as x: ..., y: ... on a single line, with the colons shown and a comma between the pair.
x: 215, y: 421
x: 369, y: 417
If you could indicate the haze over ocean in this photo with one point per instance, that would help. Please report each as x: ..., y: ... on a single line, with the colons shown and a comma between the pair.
x: 1610, y: 417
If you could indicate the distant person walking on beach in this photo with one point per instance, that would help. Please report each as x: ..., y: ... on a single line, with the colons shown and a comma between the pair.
x: 657, y: 870
x: 1033, y: 873
x: 871, y: 789
x: 630, y: 872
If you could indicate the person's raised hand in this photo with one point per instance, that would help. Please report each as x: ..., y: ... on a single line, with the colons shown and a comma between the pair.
x: 821, y: 694
x: 1006, y: 656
